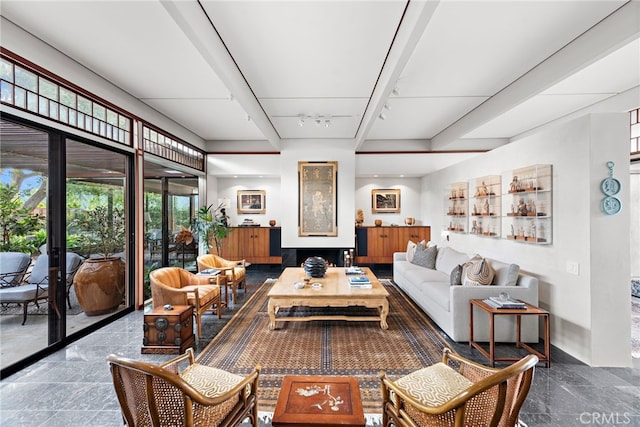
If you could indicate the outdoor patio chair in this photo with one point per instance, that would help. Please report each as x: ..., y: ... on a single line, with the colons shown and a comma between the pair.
x: 36, y: 286
x: 457, y: 392
x: 13, y: 266
x: 177, y: 286
x: 235, y: 271
x: 181, y: 392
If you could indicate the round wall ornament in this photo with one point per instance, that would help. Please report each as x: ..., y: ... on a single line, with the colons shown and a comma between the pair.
x: 610, y: 187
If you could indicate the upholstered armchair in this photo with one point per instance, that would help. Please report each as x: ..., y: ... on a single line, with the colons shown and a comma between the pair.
x: 457, y: 392
x: 235, y: 272
x: 181, y: 392
x: 176, y: 286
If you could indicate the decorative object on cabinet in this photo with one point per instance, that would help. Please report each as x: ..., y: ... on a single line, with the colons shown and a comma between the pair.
x: 409, y: 221
x: 359, y: 217
x: 485, y: 206
x: 610, y: 186
x: 378, y: 222
x: 527, y: 202
x: 251, y: 201
x: 317, y: 203
x: 272, y: 222
x: 385, y: 201
x: 456, y: 207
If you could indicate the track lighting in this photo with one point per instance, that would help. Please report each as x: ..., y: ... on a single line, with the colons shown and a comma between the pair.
x: 319, y: 120
x: 395, y: 91
x: 386, y: 107
x: 381, y: 116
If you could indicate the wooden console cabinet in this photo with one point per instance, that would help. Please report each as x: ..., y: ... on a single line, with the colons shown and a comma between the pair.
x: 376, y: 245
x: 257, y: 245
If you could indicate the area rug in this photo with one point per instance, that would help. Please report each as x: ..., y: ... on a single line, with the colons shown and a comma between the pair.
x: 359, y: 349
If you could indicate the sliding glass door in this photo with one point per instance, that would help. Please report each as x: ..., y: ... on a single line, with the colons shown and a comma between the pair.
x: 64, y: 206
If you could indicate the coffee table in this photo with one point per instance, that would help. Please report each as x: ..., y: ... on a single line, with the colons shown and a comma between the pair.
x: 318, y: 401
x: 333, y: 291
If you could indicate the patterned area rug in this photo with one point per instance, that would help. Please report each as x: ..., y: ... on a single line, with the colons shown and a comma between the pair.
x: 359, y: 349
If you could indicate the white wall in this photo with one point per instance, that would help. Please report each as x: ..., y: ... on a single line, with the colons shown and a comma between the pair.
x: 587, y: 307
x: 227, y: 188
x: 410, y: 193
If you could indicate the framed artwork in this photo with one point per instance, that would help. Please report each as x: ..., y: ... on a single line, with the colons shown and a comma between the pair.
x: 385, y: 201
x: 252, y: 201
x: 317, y: 201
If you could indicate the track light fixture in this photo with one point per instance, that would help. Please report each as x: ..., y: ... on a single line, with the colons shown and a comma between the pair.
x: 381, y: 116
x: 395, y: 91
x: 319, y: 120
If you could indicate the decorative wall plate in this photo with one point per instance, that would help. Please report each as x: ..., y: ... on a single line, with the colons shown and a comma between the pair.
x: 610, y: 205
x: 610, y: 186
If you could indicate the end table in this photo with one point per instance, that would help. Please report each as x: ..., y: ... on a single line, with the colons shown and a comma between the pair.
x: 168, y: 331
x: 530, y: 310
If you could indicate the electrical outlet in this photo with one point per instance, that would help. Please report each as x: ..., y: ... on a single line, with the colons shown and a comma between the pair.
x: 573, y: 267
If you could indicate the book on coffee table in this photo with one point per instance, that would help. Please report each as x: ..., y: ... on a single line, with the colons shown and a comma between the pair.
x: 359, y: 282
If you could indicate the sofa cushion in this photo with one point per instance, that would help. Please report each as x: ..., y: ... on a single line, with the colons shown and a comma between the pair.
x: 411, y: 250
x: 479, y: 273
x: 455, y: 278
x: 448, y: 258
x: 505, y: 274
x: 425, y: 256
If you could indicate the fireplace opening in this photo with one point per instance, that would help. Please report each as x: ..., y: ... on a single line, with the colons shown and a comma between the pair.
x: 295, y: 257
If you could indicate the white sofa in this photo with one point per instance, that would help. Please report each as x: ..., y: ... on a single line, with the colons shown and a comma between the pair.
x: 448, y: 305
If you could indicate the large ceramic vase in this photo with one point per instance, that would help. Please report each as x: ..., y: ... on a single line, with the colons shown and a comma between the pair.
x: 99, y: 285
x: 315, y: 266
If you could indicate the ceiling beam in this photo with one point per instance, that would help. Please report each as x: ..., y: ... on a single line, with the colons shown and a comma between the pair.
x: 414, y: 22
x: 195, y: 24
x: 611, y: 33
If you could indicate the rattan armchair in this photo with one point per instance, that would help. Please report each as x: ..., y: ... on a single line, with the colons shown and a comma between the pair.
x: 182, y: 392
x: 235, y: 271
x: 176, y: 286
x: 457, y: 392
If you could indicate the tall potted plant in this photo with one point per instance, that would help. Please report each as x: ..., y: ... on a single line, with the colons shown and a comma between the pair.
x: 100, y: 282
x: 212, y: 226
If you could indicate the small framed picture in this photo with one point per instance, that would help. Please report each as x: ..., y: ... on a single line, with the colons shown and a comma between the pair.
x: 251, y: 201
x: 385, y: 201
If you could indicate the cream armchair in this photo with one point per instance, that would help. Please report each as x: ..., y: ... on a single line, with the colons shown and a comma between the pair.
x: 235, y: 272
x: 181, y: 392
x: 457, y: 392
x: 176, y: 286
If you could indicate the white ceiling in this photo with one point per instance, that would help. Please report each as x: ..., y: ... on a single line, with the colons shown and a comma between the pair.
x: 239, y: 74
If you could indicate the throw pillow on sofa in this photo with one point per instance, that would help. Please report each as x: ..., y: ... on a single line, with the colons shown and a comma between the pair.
x: 455, y: 279
x: 425, y: 256
x: 505, y: 274
x: 479, y: 273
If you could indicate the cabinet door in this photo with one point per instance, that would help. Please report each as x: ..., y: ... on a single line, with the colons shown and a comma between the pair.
x: 232, y: 246
x: 258, y: 245
x: 381, y: 244
x: 414, y: 233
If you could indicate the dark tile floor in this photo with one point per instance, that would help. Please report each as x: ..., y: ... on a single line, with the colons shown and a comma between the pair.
x: 72, y: 387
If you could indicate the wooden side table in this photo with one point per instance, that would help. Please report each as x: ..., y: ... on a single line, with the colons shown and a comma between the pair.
x: 168, y: 331
x: 530, y: 310
x: 318, y: 401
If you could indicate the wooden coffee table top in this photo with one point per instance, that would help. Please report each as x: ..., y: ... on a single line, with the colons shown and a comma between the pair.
x: 317, y: 400
x: 334, y: 284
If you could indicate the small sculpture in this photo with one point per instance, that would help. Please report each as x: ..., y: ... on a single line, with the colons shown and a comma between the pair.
x: 515, y: 185
x: 486, y: 208
x: 359, y: 217
x: 522, y: 207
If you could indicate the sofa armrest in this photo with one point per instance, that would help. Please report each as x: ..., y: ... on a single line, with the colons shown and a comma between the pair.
x: 399, y: 256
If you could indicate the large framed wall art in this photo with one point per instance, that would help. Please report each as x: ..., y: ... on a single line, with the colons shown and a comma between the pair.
x: 317, y: 200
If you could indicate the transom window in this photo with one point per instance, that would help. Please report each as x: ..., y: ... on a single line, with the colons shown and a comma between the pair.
x: 163, y: 145
x: 635, y: 131
x: 28, y: 90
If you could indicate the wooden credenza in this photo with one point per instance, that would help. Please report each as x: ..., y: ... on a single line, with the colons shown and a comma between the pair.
x: 257, y: 245
x: 376, y: 245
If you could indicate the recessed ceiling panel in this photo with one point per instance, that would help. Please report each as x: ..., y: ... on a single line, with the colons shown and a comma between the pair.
x: 308, y: 49
x: 477, y: 48
x: 209, y: 118
x: 420, y: 118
